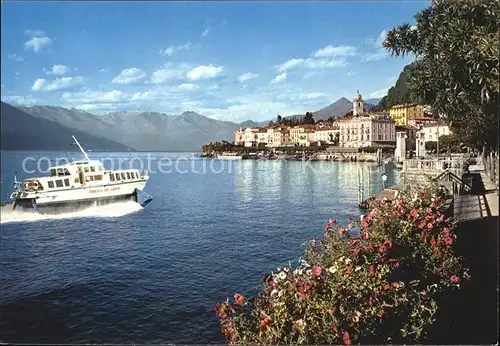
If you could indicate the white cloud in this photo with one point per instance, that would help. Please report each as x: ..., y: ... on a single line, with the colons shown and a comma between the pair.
x: 279, y: 78
x: 247, y: 76
x: 129, y: 76
x: 89, y: 96
x: 104, y: 70
x: 172, y: 49
x: 324, y: 63
x: 205, y: 32
x: 15, y: 57
x: 289, y: 64
x: 34, y: 33
x: 19, y: 100
x: 57, y: 84
x: 332, y: 51
x: 311, y: 63
x: 379, y: 93
x: 311, y: 96
x: 58, y: 69
x: 188, y: 87
x: 168, y: 73
x: 380, y: 52
x: 214, y: 87
x: 204, y: 72
x: 37, y: 43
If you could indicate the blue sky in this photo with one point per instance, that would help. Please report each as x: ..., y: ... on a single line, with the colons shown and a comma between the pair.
x: 227, y: 60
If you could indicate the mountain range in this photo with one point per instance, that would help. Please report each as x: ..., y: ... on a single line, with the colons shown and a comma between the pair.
x: 51, y: 128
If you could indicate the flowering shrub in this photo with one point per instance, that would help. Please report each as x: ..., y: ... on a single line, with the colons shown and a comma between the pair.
x: 381, y: 286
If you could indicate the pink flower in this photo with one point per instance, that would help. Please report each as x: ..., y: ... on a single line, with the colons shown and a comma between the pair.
x: 317, y: 270
x: 455, y: 279
x: 365, y: 235
x: 239, y: 299
x: 349, y: 226
x: 332, y: 220
x: 433, y: 242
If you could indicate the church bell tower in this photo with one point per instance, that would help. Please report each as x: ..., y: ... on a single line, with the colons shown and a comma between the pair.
x: 357, y: 104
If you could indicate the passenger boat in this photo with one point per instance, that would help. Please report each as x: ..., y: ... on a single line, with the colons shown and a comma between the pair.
x: 78, y: 185
x: 229, y: 156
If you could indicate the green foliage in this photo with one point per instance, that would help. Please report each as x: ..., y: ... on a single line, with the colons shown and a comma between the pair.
x: 430, y: 145
x: 400, y: 93
x: 450, y: 143
x: 383, y: 286
x: 456, y: 44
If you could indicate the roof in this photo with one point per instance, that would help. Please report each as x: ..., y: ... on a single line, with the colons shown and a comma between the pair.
x: 404, y: 105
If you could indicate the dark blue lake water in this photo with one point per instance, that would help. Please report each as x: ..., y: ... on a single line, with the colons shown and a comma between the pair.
x: 124, y: 274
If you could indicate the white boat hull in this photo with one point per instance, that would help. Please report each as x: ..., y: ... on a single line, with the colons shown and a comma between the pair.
x: 72, y: 199
x: 229, y: 157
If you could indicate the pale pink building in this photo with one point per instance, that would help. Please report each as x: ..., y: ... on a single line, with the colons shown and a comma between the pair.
x: 367, y: 131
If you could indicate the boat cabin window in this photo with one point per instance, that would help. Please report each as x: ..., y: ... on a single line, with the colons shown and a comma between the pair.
x: 92, y: 169
x: 128, y: 175
x: 111, y: 177
x: 59, y: 183
x: 66, y: 182
x: 86, y: 169
x: 51, y: 184
x: 117, y: 176
x: 98, y: 177
x: 53, y: 172
x: 99, y: 168
x: 123, y: 176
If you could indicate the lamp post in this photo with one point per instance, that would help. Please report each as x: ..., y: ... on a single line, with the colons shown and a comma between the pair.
x: 384, y: 178
x: 437, y: 135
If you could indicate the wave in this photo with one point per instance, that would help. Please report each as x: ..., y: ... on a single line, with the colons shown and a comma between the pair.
x: 106, y: 211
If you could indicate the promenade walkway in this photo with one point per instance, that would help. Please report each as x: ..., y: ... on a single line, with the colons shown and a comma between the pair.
x: 471, y: 315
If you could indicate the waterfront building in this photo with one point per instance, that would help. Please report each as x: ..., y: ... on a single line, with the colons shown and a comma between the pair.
x: 411, y: 135
x: 327, y: 134
x: 239, y: 137
x: 262, y: 137
x: 425, y: 120
x: 402, y: 113
x: 372, y: 130
x: 278, y: 136
x: 307, y: 137
x: 250, y: 137
x: 298, y: 130
x: 430, y: 133
x: 400, y: 152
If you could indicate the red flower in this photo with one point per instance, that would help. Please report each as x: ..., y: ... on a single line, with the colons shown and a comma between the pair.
x: 317, y: 270
x: 448, y: 240
x: 422, y: 224
x: 302, y: 296
x: 348, y: 270
x: 239, y: 299
x: 433, y: 242
x: 430, y: 225
x: 332, y: 220
x: 334, y: 326
x: 423, y: 234
x: 341, y: 231
x: 347, y: 338
x: 388, y: 244
x: 365, y: 235
x: 437, y: 252
x: 385, y: 286
x: 395, y: 284
x: 356, y: 250
x: 327, y: 228
x: 381, y: 314
x: 455, y: 279
x: 265, y: 321
x: 413, y: 214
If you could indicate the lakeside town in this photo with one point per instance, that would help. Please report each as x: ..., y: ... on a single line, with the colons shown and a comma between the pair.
x: 404, y: 131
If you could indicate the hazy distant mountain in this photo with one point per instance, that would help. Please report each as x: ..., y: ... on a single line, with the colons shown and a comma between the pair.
x: 23, y: 131
x: 373, y: 101
x: 136, y: 130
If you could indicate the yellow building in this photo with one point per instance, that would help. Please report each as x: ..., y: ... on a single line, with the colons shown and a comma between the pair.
x: 402, y: 113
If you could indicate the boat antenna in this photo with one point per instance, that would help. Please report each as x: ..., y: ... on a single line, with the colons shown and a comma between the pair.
x: 83, y: 151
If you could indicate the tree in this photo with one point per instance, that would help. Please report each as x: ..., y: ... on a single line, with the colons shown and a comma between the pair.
x: 450, y: 143
x: 456, y: 45
x: 278, y: 119
x: 431, y: 145
x: 308, y: 118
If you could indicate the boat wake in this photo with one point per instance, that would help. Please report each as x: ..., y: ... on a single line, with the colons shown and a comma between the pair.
x: 7, y: 215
